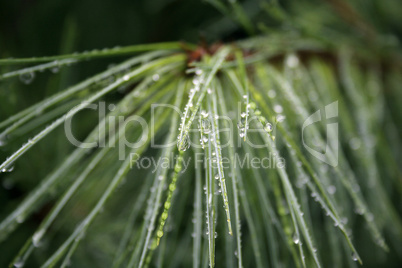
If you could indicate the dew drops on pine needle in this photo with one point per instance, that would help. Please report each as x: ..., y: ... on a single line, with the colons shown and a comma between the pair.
x: 27, y: 78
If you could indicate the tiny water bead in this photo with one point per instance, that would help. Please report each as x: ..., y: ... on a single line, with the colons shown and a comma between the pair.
x: 7, y: 169
x: 264, y: 122
x: 27, y: 78
x: 55, y: 69
x: 268, y: 127
x: 331, y: 189
x: 20, y: 218
x: 241, y: 125
x: 355, y: 257
x: 280, y: 118
x: 183, y: 143
x: 37, y: 237
x: 19, y: 263
x: 354, y: 143
x: 196, y: 81
x: 252, y: 105
x: 296, y: 239
x: 206, y: 126
x: 271, y: 93
x: 204, y: 114
x: 292, y: 61
x: 155, y: 77
x: 278, y: 108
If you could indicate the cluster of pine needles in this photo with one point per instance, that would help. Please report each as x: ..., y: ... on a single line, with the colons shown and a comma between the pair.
x: 96, y: 208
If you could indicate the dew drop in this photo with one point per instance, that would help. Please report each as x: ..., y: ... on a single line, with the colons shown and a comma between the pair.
x: 268, y: 127
x: 280, y: 118
x: 36, y: 238
x: 344, y: 220
x: 184, y: 143
x: 272, y: 93
x: 27, y: 78
x: 204, y: 114
x: 126, y: 77
x: 292, y: 61
x: 252, y: 105
x: 331, y: 189
x: 359, y: 210
x: 296, y: 239
x: 355, y: 257
x: 19, y: 263
x: 206, y: 125
x: 354, y: 143
x: 8, y: 169
x: 155, y: 77
x: 55, y: 69
x: 278, y: 108
x: 20, y: 219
